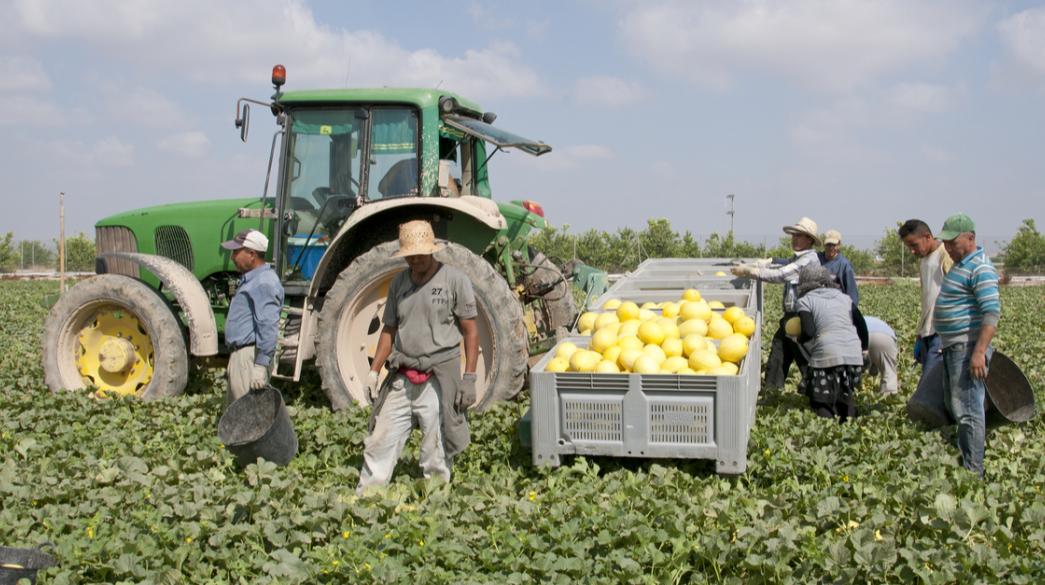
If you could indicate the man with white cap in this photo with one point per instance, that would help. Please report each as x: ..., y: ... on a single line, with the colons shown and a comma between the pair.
x: 429, y: 311
x: 784, y: 350
x: 252, y: 323
x: 837, y: 264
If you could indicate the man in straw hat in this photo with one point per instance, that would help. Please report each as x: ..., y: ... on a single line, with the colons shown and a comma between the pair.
x: 429, y: 310
x: 784, y: 350
x: 252, y: 324
x: 966, y: 317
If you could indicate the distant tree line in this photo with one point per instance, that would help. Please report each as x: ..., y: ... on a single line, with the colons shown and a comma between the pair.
x: 36, y: 255
x: 626, y: 248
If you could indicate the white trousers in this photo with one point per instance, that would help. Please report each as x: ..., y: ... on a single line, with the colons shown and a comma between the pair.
x: 392, y: 426
x: 239, y: 368
x: 881, y: 352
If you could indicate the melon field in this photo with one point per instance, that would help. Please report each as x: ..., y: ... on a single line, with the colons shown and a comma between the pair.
x: 132, y: 492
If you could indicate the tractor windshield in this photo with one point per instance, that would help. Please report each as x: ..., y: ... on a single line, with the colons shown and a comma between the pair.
x: 326, y: 154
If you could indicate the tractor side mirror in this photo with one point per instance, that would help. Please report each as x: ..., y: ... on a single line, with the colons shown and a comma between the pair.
x: 243, y: 122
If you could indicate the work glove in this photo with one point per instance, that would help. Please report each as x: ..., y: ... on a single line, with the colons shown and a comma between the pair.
x: 919, y: 349
x: 743, y: 270
x: 259, y: 377
x: 371, y: 386
x: 466, y: 391
x: 763, y: 262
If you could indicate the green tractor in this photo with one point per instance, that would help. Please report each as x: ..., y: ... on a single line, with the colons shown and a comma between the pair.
x: 351, y: 165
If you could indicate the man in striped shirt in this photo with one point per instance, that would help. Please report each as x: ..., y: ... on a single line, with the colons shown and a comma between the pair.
x: 966, y: 318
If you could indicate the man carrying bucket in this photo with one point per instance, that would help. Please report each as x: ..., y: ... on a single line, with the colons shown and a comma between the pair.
x: 252, y: 325
x: 966, y: 317
x: 429, y: 310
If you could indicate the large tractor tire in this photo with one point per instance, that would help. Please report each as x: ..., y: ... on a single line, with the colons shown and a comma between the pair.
x: 547, y: 282
x: 117, y: 335
x: 351, y: 321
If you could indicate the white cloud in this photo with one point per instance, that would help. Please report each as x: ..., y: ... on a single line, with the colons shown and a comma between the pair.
x: 22, y: 74
x: 22, y: 110
x: 193, y: 144
x: 921, y: 97
x: 109, y: 151
x: 220, y: 42
x: 1023, y: 34
x: 606, y: 91
x: 145, y: 107
x: 836, y: 46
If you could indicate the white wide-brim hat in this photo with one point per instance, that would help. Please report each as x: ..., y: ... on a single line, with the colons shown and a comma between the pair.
x: 805, y: 226
x: 416, y: 238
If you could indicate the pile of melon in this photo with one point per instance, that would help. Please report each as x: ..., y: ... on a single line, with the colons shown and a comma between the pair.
x: 689, y: 336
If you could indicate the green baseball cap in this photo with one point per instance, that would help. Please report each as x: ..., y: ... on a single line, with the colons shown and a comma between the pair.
x: 956, y: 225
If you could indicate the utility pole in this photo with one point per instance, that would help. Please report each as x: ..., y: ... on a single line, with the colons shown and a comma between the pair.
x: 61, y: 242
x: 730, y: 210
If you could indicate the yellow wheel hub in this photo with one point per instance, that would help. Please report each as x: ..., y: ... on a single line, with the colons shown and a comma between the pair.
x: 115, y: 354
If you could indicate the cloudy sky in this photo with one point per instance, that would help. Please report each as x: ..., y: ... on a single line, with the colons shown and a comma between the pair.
x: 855, y: 113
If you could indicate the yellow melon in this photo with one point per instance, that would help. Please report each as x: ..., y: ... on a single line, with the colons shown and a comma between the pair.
x: 611, y: 304
x: 627, y: 311
x: 650, y: 332
x: 674, y: 364
x: 587, y: 321
x: 745, y: 325
x: 565, y: 350
x: 719, y: 328
x: 627, y: 358
x: 733, y: 348
x: 693, y: 342
x: 672, y: 346
x: 695, y: 310
x: 691, y: 294
x: 704, y: 360
x: 557, y: 364
x: 606, y: 367
x: 646, y: 365
x: 733, y: 314
x: 793, y: 327
x: 691, y: 326
x: 603, y: 339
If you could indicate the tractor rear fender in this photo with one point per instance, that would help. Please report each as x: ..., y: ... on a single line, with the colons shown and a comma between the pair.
x: 193, y: 300
x: 371, y: 216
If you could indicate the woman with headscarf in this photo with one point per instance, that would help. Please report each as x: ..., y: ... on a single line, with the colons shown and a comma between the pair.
x: 834, y: 336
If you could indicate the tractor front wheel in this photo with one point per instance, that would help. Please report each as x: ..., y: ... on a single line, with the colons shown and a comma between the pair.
x: 117, y: 335
x: 351, y: 321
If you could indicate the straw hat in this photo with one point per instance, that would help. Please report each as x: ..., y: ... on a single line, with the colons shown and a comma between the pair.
x: 804, y: 226
x: 417, y: 238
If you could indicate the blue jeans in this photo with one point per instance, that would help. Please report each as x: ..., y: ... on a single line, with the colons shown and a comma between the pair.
x: 928, y: 352
x: 963, y: 395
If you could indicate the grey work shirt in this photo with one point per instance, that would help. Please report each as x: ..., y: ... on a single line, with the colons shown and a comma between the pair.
x: 253, y: 317
x: 426, y: 316
x: 837, y: 342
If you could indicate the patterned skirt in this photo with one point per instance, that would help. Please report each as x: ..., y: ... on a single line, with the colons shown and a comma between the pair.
x: 831, y: 391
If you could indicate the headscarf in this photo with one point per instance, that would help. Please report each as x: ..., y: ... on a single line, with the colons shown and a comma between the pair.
x: 812, y: 277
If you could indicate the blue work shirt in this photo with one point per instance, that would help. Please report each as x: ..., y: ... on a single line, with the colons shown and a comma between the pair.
x: 254, y: 313
x: 843, y: 271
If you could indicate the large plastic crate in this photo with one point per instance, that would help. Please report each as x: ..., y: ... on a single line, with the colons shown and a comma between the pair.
x: 645, y: 415
x: 664, y: 279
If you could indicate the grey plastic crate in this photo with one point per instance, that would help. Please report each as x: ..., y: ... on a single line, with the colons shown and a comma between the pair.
x: 641, y: 289
x: 645, y: 415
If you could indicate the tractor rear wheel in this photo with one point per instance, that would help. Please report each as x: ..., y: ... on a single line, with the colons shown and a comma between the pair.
x: 115, y: 334
x: 351, y: 321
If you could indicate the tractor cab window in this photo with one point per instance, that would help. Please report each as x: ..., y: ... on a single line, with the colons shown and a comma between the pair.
x: 456, y: 155
x: 326, y: 149
x: 394, y: 170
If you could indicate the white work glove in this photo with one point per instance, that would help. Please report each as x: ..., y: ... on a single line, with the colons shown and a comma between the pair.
x: 763, y: 262
x: 259, y: 377
x: 743, y: 270
x: 371, y: 386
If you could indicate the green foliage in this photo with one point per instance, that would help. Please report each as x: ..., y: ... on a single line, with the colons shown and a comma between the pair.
x: 1026, y: 251
x: 863, y: 261
x: 34, y: 254
x: 894, y: 257
x: 8, y: 253
x: 79, y: 254
x: 143, y: 492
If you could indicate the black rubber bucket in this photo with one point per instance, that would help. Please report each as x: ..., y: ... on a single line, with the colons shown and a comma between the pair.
x: 258, y: 425
x: 22, y: 563
x: 1010, y: 397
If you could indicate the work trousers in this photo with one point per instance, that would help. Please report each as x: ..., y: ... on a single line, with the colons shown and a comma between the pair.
x: 404, y: 403
x: 964, y: 396
x: 881, y: 352
x: 239, y: 369
x: 782, y: 353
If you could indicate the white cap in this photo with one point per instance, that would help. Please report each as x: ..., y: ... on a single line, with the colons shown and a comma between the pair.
x: 250, y: 239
